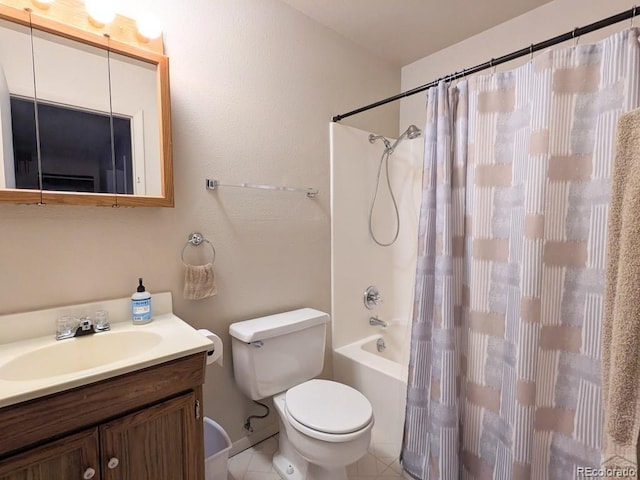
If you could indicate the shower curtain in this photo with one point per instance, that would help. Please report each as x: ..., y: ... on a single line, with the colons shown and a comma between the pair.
x: 504, y: 374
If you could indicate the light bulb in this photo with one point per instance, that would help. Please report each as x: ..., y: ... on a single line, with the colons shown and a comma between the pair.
x: 149, y: 25
x: 101, y: 11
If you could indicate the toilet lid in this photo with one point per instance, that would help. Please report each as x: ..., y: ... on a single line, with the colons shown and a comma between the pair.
x: 328, y: 407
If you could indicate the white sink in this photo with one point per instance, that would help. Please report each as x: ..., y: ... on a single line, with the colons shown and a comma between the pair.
x: 33, y: 364
x: 78, y: 354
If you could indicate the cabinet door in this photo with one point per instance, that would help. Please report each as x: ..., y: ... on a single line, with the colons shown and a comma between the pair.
x: 70, y: 458
x: 163, y: 442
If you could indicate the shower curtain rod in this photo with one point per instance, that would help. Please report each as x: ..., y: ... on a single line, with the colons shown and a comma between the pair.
x: 577, y: 32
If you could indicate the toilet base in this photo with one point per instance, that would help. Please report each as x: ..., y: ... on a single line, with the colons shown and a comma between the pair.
x: 286, y: 469
x: 287, y: 462
x: 290, y: 465
x: 289, y: 471
x: 296, y: 460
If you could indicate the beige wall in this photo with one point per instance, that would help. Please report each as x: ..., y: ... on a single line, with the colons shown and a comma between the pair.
x: 547, y: 21
x: 254, y: 84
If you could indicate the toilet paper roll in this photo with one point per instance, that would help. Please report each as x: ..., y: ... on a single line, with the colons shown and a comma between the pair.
x: 215, y: 354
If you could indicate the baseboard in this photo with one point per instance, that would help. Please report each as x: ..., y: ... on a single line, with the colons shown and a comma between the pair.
x: 256, y: 437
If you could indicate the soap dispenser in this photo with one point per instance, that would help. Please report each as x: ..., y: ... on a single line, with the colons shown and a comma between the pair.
x: 140, y: 305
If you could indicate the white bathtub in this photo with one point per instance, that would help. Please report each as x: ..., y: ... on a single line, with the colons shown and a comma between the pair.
x: 382, y: 378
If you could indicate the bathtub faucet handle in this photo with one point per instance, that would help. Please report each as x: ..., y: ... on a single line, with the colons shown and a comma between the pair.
x: 372, y: 297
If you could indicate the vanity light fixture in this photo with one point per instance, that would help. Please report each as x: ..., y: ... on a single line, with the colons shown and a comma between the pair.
x: 102, y: 12
x: 148, y: 25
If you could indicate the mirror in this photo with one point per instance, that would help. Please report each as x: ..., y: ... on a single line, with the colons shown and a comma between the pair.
x: 85, y: 120
x: 72, y: 106
x: 16, y: 81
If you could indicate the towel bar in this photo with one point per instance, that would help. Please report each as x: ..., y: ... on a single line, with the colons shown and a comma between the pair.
x: 214, y: 184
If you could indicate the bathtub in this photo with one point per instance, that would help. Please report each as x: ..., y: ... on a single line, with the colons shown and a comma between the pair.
x: 382, y: 378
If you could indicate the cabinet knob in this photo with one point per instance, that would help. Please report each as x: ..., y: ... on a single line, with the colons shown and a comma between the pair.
x: 113, y: 463
x: 89, y: 473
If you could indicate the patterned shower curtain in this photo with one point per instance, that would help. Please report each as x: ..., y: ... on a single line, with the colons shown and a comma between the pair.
x: 504, y: 374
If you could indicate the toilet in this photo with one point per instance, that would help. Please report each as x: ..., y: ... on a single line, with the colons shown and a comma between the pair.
x: 324, y: 425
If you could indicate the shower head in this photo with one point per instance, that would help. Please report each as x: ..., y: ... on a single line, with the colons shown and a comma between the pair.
x: 411, y: 132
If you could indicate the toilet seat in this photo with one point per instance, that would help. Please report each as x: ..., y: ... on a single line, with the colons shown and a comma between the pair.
x: 328, y: 410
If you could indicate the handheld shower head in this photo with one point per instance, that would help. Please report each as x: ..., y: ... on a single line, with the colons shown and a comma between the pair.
x: 411, y: 132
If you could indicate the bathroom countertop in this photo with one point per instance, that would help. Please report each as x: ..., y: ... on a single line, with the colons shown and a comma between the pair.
x: 172, y: 339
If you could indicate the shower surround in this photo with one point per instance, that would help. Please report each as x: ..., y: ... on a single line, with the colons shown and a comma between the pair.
x: 357, y: 262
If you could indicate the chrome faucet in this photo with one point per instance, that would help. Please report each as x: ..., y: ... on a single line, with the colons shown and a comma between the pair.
x: 85, y: 327
x: 376, y: 322
x: 70, y: 327
x: 75, y: 328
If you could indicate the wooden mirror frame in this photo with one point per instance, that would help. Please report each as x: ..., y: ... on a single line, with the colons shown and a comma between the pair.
x: 68, y: 18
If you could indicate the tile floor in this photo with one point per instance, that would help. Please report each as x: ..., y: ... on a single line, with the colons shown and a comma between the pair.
x: 381, y: 463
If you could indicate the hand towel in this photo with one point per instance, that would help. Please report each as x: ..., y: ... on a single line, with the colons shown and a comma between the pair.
x: 199, y: 282
x: 621, y: 325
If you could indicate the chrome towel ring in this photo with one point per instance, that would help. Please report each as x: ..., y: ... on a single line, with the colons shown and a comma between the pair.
x: 196, y: 239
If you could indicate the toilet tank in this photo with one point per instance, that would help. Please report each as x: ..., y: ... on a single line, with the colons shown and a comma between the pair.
x: 272, y: 354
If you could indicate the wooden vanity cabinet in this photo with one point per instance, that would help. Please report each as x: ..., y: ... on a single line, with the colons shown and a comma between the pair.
x: 144, y: 425
x: 65, y: 459
x: 154, y: 443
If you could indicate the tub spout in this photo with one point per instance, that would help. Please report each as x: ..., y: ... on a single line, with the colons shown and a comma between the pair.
x: 376, y: 322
